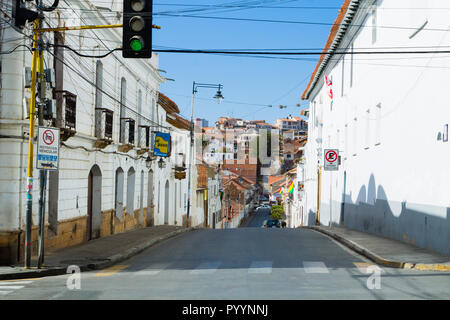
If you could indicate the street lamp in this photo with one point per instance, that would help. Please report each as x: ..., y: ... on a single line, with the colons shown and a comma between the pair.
x: 219, y: 98
x: 161, y: 163
x: 148, y: 162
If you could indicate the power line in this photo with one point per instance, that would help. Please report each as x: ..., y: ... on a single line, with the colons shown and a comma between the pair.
x: 294, y: 22
x: 15, y: 48
x: 298, y: 53
x: 103, y: 91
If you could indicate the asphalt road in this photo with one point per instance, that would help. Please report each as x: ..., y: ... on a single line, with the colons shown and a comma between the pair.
x: 260, y: 216
x: 240, y: 264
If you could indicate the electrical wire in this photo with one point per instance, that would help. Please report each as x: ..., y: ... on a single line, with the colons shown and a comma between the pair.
x: 300, y: 53
x: 103, y: 91
x: 15, y: 48
x: 47, y: 9
x: 85, y: 55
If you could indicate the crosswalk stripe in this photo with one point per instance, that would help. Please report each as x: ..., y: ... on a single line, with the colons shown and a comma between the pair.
x: 207, y: 267
x: 366, y: 267
x: 315, y: 267
x: 148, y: 272
x: 3, y: 293
x: 260, y: 267
x: 153, y: 270
x: 11, y: 287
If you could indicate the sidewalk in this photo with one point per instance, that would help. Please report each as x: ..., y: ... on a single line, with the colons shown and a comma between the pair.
x: 247, y: 221
x: 95, y: 254
x: 387, y: 252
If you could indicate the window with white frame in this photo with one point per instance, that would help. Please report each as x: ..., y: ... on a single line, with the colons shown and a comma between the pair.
x: 368, y: 130
x: 378, y: 124
x: 374, y: 22
x: 355, y: 136
x: 346, y: 141
x: 351, y: 66
x: 343, y: 76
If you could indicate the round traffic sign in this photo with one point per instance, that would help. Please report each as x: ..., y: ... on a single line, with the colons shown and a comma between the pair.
x: 331, y: 156
x: 48, y: 137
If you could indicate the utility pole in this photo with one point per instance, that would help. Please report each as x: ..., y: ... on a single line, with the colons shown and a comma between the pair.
x: 42, y: 172
x: 319, y: 172
x: 29, y: 212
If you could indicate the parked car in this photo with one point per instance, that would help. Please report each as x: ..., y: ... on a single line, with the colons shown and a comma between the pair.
x: 262, y: 207
x: 272, y: 223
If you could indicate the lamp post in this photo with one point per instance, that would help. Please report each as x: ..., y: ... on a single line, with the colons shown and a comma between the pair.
x: 217, y: 96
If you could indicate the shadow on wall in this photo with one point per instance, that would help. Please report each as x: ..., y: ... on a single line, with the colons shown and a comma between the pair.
x: 311, y: 218
x: 374, y: 213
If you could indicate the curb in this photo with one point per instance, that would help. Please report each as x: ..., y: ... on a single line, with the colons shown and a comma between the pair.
x: 59, y: 270
x: 378, y: 259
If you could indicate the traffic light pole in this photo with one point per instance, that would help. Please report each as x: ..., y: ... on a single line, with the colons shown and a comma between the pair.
x: 42, y: 172
x: 29, y: 212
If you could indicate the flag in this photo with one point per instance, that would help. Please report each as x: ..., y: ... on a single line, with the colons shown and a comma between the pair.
x: 291, y: 187
x: 280, y: 191
x: 329, y: 84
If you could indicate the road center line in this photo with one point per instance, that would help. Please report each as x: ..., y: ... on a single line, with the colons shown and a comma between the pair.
x: 260, y: 267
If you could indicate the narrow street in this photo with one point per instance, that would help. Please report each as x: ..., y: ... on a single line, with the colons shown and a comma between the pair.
x: 224, y: 151
x: 245, y: 263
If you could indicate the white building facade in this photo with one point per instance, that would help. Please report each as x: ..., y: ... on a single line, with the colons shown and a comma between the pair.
x: 108, y: 181
x: 388, y: 117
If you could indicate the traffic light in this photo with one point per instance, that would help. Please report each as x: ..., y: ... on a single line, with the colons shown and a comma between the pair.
x: 21, y: 15
x: 137, y: 29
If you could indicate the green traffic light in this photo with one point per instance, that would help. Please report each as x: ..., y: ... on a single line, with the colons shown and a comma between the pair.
x: 137, y: 44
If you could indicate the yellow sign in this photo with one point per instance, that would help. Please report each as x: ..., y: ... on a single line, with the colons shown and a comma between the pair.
x: 161, y: 144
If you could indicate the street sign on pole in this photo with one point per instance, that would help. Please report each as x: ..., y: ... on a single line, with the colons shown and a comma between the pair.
x: 48, y: 148
x: 331, y: 162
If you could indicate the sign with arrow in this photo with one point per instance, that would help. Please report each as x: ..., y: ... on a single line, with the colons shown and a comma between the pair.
x: 48, y: 148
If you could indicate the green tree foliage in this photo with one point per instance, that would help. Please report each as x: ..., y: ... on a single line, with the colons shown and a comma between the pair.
x: 277, y: 212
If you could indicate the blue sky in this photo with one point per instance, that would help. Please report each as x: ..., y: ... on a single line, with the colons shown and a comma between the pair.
x: 249, y: 84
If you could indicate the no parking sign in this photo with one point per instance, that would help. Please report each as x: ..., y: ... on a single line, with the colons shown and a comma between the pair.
x: 47, y: 148
x: 331, y: 162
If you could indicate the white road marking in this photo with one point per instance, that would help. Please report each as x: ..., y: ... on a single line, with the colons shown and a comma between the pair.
x: 15, y: 282
x: 11, y: 287
x: 207, y: 267
x: 260, y: 267
x: 3, y: 293
x: 152, y: 271
x: 315, y: 267
x: 366, y: 267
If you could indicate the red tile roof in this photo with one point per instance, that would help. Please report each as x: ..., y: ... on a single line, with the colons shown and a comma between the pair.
x: 333, y: 32
x: 167, y: 104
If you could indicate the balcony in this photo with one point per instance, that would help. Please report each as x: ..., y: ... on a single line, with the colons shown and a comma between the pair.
x: 103, y: 127
x: 127, y: 126
x: 144, y: 139
x: 68, y: 115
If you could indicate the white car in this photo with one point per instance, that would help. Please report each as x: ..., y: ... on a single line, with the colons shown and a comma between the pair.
x: 263, y: 207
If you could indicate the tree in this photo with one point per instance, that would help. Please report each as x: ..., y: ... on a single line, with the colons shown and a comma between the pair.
x: 277, y: 212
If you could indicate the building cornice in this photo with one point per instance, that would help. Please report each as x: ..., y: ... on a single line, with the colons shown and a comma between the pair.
x: 337, y: 33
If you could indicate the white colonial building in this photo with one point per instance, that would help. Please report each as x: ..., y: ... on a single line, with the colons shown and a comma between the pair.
x: 388, y: 117
x: 107, y: 109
